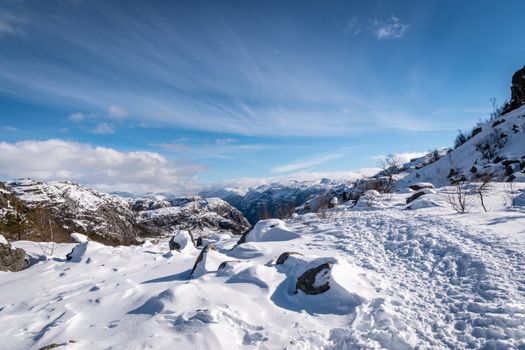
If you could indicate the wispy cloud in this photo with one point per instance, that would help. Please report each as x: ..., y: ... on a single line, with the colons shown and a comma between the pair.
x: 352, y: 26
x: 404, y: 157
x: 10, y: 24
x: 117, y: 112
x: 389, y: 29
x: 225, y: 141
x: 103, y: 128
x: 311, y: 162
x: 8, y: 128
x: 77, y: 117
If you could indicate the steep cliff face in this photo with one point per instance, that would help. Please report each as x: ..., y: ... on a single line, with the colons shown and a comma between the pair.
x: 517, y: 91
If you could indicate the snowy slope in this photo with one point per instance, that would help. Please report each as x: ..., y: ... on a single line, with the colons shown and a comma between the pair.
x: 468, y: 161
x: 400, y: 279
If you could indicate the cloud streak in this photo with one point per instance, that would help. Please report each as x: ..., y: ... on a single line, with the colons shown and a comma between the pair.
x: 311, y: 162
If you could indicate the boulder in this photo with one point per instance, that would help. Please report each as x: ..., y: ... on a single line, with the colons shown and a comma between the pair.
x: 315, y: 280
x: 11, y: 258
x: 199, y: 267
x: 419, y: 194
x: 421, y: 185
x: 181, y: 240
x: 284, y: 256
x: 269, y: 230
x: 77, y: 253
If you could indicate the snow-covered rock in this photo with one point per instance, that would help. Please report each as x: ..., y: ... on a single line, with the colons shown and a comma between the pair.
x: 182, y: 240
x: 269, y: 230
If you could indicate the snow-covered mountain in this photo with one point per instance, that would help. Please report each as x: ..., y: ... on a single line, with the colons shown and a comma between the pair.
x: 52, y: 210
x: 276, y: 199
x: 200, y: 216
x: 80, y: 209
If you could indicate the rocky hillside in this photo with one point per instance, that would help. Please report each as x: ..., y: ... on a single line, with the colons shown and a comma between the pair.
x: 51, y: 211
x: 200, y: 216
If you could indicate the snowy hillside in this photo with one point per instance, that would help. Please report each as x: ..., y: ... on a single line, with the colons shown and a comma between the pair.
x: 497, y: 149
x: 371, y: 276
x: 81, y: 209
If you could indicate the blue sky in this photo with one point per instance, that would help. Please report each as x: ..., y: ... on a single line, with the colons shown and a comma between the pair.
x: 208, y: 91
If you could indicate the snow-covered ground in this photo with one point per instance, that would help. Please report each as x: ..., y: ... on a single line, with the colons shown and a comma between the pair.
x: 399, y: 279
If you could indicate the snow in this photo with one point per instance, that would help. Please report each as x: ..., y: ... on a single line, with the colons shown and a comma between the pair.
x: 425, y: 278
x: 270, y: 230
x: 78, y: 237
x: 3, y: 240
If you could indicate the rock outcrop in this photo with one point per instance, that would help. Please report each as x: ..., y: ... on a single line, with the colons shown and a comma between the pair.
x: 11, y: 258
x: 517, y: 91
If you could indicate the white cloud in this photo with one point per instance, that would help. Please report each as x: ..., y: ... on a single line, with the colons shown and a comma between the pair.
x: 103, y: 128
x: 248, y: 182
x: 311, y: 162
x: 8, y: 128
x: 77, y: 117
x: 117, y: 112
x: 103, y: 168
x: 390, y: 29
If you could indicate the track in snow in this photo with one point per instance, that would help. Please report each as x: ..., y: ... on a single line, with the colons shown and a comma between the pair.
x: 448, y: 288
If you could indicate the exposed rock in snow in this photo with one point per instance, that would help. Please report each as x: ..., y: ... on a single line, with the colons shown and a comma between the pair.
x: 421, y: 185
x: 282, y: 258
x: 269, y: 230
x: 205, y: 262
x: 181, y: 240
x: 77, y: 253
x: 315, y: 280
x: 418, y: 194
x: 11, y: 258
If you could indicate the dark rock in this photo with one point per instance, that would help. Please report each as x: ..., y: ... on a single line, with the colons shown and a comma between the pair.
x: 517, y: 91
x: 476, y: 131
x: 12, y: 259
x: 508, y: 162
x: 420, y: 186
x: 473, y: 170
x: 201, y: 257
x: 414, y: 197
x: 498, y: 122
x: 307, y: 281
x: 498, y: 159
x: 284, y: 256
x: 174, y: 242
x: 225, y: 263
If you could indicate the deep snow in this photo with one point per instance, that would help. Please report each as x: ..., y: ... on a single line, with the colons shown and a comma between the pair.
x: 400, y: 279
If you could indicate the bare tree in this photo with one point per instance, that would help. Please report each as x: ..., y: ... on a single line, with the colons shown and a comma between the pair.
x: 510, y: 195
x: 459, y: 198
x: 484, y: 188
x: 390, y: 166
